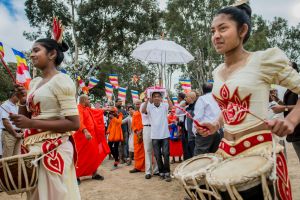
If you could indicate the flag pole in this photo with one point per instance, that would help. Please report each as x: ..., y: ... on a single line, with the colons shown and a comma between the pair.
x: 7, y: 69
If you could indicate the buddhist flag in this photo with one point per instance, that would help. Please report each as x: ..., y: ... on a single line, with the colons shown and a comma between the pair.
x: 135, y: 95
x: 122, y: 94
x: 80, y: 82
x: 93, y: 82
x: 186, y: 84
x: 109, y: 90
x: 175, y: 101
x: 1, y: 50
x: 113, y: 79
x: 23, y: 75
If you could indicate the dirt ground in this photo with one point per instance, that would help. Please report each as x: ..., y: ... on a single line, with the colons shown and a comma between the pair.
x: 120, y: 185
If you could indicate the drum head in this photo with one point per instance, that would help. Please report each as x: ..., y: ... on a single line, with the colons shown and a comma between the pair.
x: 239, y: 170
x: 196, y: 166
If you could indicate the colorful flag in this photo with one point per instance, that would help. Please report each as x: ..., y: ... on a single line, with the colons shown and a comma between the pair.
x: 80, y: 82
x: 135, y: 95
x: 23, y: 75
x: 1, y: 50
x: 186, y: 84
x: 93, y: 82
x: 109, y: 90
x: 122, y: 94
x: 113, y: 79
x: 175, y: 101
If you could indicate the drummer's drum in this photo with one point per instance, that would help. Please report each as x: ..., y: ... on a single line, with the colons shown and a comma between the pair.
x: 191, y: 175
x: 18, y: 174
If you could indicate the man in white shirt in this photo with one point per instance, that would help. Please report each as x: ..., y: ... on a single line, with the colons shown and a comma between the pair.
x: 158, y: 113
x: 206, y: 110
x: 149, y: 162
x: 11, y: 135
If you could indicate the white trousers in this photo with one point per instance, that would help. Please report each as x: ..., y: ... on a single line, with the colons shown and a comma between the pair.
x: 55, y: 187
x: 150, y: 162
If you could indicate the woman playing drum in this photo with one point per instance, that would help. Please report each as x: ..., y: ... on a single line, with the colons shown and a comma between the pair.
x: 49, y: 112
x: 241, y: 89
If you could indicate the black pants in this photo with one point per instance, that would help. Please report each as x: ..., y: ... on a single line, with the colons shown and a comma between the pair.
x: 191, y: 148
x: 114, y: 149
x: 161, y: 149
x: 207, y: 144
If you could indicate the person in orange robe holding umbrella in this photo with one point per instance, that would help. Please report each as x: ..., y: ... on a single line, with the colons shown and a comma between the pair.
x: 137, y: 128
x: 86, y: 143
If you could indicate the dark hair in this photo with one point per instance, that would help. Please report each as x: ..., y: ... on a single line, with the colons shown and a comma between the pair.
x: 181, y: 95
x: 118, y: 99
x: 130, y: 106
x: 241, y: 15
x: 11, y: 94
x: 295, y: 66
x: 51, y: 44
x: 207, y: 88
x: 156, y: 93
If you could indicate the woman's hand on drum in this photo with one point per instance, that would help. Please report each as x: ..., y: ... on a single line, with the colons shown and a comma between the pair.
x: 21, y: 121
x: 281, y: 127
x: 21, y: 93
x: 210, y: 128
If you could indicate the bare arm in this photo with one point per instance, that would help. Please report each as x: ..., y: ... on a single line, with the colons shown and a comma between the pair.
x: 144, y: 107
x: 170, y: 102
x: 294, y: 116
x: 70, y: 123
x: 7, y: 125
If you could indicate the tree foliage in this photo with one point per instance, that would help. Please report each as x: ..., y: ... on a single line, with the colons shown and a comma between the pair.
x: 104, y: 32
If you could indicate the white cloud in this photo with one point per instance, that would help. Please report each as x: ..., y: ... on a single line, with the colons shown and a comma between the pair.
x: 12, y: 28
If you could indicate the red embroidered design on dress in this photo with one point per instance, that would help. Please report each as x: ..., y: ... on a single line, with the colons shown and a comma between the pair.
x: 234, y: 109
x: 53, y: 161
x: 283, y: 182
x: 35, y: 109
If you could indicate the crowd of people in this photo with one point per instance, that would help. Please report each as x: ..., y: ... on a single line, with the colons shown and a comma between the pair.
x: 232, y: 114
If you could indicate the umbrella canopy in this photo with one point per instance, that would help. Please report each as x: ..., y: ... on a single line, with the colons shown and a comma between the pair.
x: 162, y: 52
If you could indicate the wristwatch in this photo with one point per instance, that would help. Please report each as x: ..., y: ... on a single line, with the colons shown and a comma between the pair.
x: 286, y: 109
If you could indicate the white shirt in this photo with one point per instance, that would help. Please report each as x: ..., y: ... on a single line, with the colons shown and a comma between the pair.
x: 206, y: 109
x: 10, y: 107
x: 145, y: 117
x: 158, y: 120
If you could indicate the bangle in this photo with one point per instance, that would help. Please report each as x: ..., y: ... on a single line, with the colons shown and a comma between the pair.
x: 21, y: 105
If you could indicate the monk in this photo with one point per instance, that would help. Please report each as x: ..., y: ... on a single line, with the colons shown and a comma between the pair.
x: 98, y: 115
x: 86, y: 143
x: 137, y: 128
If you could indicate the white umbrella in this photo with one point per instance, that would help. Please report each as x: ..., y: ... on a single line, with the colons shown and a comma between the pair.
x: 162, y: 52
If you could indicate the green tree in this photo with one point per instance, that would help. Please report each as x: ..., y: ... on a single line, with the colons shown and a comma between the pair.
x: 101, y: 34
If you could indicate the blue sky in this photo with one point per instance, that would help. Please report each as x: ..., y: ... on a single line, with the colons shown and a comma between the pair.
x: 9, y: 6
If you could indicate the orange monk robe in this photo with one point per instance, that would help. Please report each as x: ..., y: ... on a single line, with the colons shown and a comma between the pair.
x: 98, y: 115
x: 87, y: 149
x: 115, y: 130
x: 139, y: 153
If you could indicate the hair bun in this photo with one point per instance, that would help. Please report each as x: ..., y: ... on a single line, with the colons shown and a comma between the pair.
x: 63, y: 46
x: 245, y: 7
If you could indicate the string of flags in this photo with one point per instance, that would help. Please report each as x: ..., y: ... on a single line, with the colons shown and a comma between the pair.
x: 113, y: 79
x: 186, y: 85
x: 135, y: 95
x: 109, y: 90
x: 122, y: 93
